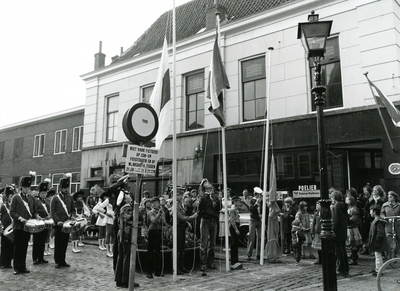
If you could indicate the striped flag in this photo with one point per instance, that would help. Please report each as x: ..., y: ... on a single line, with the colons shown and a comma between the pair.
x: 160, y: 98
x: 217, y: 81
x: 381, y: 99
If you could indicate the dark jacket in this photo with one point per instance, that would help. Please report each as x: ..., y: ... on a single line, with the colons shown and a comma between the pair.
x: 57, y: 210
x: 371, y: 202
x: 288, y: 217
x: 377, y: 241
x: 354, y: 217
x: 5, y: 217
x: 40, y: 208
x: 18, y: 209
x: 209, y: 209
x: 316, y: 224
x: 339, y: 215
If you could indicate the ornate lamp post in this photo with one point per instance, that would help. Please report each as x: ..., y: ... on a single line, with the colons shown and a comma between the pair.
x: 313, y: 34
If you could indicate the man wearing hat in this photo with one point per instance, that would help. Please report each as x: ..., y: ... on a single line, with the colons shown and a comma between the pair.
x: 209, y: 207
x: 62, y: 206
x: 7, y: 246
x: 39, y: 238
x: 22, y: 208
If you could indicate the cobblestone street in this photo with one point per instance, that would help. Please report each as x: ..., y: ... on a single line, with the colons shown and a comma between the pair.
x: 92, y: 270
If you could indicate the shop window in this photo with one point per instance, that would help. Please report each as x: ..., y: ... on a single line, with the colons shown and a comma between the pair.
x: 96, y: 172
x: 331, y: 76
x: 164, y: 170
x: 195, y: 101
x: 254, y: 89
x: 38, y: 145
x: 60, y: 141
x: 112, y: 119
x: 304, y: 165
x: 361, y: 160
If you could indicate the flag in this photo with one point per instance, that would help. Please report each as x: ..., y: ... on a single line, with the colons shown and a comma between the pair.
x: 381, y: 99
x: 160, y: 98
x: 272, y: 248
x: 217, y: 81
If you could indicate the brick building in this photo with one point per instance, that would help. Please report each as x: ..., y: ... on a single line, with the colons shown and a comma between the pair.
x: 49, y: 145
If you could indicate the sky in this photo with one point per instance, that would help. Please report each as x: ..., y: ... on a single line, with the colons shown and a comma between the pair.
x: 46, y: 45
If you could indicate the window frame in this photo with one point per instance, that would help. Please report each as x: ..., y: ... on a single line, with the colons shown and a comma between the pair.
x: 60, y: 152
x: 142, y: 92
x: 254, y: 79
x: 80, y: 137
x: 336, y: 59
x: 197, y: 95
x: 18, y: 154
x: 300, y: 163
x: 37, y: 153
x: 75, y: 185
x: 113, y: 113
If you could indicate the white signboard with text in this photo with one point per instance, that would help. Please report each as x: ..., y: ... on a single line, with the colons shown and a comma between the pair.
x: 141, y: 160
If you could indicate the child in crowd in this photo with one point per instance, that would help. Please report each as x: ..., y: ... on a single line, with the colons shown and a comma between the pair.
x: 305, y: 220
x: 377, y: 241
x: 297, y: 238
x: 316, y: 231
x: 354, y: 239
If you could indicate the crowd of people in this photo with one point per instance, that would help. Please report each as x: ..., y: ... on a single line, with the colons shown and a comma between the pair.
x: 358, y: 224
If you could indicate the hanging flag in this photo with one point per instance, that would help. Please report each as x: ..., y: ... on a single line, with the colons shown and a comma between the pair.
x: 272, y: 248
x: 217, y: 81
x: 160, y: 98
x: 381, y: 99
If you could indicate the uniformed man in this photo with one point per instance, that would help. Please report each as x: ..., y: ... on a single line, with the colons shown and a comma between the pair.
x: 21, y: 210
x: 61, y: 207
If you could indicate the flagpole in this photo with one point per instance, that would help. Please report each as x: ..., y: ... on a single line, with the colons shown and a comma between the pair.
x: 174, y: 165
x: 225, y: 182
x: 380, y: 114
x: 266, y: 149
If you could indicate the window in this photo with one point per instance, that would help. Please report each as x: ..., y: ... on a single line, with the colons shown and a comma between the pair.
x: 304, y: 165
x: 2, y: 150
x: 112, y: 119
x: 287, y: 168
x: 96, y: 172
x: 331, y: 76
x: 254, y: 89
x: 56, y: 180
x: 75, y: 182
x: 37, y: 180
x: 18, y: 147
x: 146, y: 93
x: 195, y: 101
x: 38, y: 145
x: 77, y: 138
x: 60, y: 141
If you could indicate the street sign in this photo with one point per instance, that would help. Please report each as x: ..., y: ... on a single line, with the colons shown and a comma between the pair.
x: 306, y: 194
x: 141, y: 160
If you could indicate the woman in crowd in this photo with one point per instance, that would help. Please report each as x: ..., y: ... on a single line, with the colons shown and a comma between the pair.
x: 100, y: 210
x: 354, y: 239
x: 392, y: 208
x: 305, y: 220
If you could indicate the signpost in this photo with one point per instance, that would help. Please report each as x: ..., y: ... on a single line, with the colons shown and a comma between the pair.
x: 140, y: 125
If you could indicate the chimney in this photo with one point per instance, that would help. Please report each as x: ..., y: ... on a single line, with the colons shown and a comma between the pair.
x: 99, y: 59
x: 211, y: 17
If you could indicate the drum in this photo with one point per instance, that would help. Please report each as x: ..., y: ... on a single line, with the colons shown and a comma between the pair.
x: 34, y: 225
x: 81, y: 223
x: 9, y: 233
x: 69, y: 226
x: 48, y: 223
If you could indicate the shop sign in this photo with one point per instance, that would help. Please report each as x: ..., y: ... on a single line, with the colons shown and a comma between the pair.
x: 141, y: 160
x: 306, y: 191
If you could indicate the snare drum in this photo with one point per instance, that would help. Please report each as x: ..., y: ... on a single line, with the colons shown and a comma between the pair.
x: 69, y: 226
x: 9, y: 233
x: 34, y: 225
x: 48, y: 223
x: 81, y: 223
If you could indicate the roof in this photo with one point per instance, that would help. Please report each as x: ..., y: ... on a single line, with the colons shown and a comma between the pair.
x: 189, y: 22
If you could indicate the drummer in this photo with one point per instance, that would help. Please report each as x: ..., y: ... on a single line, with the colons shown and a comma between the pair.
x: 50, y: 236
x: 82, y: 211
x: 21, y: 210
x: 7, y: 246
x: 62, y: 208
x: 39, y: 238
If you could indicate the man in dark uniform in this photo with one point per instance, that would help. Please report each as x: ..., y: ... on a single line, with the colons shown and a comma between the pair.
x: 39, y: 238
x: 21, y: 210
x: 61, y: 207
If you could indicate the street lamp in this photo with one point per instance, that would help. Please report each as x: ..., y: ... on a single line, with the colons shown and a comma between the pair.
x: 314, y: 34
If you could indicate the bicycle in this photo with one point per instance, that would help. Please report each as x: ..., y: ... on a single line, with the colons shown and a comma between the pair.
x: 388, y: 277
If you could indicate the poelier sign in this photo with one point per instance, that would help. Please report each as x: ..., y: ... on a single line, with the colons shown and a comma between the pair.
x: 306, y: 191
x: 141, y: 160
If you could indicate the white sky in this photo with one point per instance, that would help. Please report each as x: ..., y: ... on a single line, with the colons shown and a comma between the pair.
x: 45, y: 45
